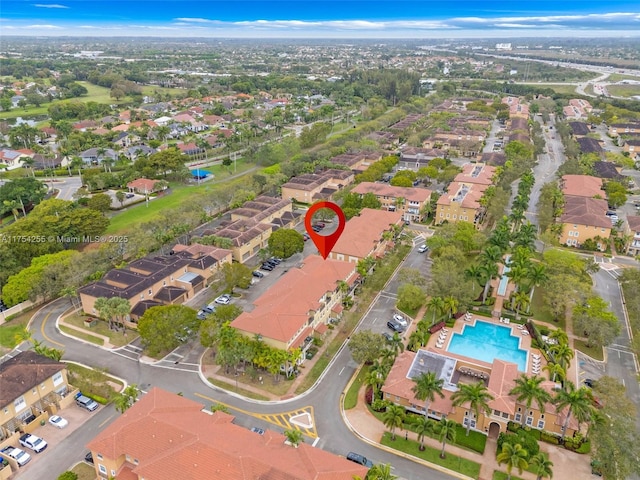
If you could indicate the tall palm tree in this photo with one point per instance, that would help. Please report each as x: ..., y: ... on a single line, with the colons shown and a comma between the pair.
x: 577, y: 400
x: 491, y: 254
x: 395, y: 344
x: 562, y: 353
x: 424, y: 426
x: 476, y: 395
x: 374, y: 379
x: 476, y: 275
x: 559, y: 336
x: 542, y: 466
x: 537, y: 276
x: 436, y: 304
x: 451, y: 305
x: 426, y: 387
x: 517, y: 275
x: 514, y: 456
x: 393, y: 418
x: 381, y: 472
x: 528, y: 390
x: 490, y: 271
x: 520, y: 300
x: 446, y: 432
x: 526, y: 236
x: 555, y: 370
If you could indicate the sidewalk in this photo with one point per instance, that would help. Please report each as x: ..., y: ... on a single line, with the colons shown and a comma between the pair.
x: 566, y: 464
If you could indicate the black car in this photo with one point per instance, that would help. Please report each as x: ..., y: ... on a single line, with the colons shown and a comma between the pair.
x: 395, y: 326
x: 357, y: 458
x: 266, y: 266
x: 129, y: 195
x: 589, y: 382
x: 257, y: 274
x: 271, y: 262
x: 88, y: 458
x: 257, y: 430
x: 316, y: 228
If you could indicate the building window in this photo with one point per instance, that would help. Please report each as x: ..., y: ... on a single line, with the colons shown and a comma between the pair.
x: 102, y: 469
x: 43, y: 386
x: 99, y: 456
x: 455, y: 217
x: 571, y: 234
x: 113, y: 473
x: 19, y: 403
x: 6, y: 410
x: 34, y: 391
x: 149, y: 291
x: 518, y: 417
x: 529, y: 421
x: 540, y: 424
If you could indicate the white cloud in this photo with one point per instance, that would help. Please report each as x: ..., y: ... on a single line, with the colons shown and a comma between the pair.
x: 49, y: 5
x: 45, y: 27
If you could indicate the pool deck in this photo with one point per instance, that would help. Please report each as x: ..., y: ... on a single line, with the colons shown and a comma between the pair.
x: 525, y: 342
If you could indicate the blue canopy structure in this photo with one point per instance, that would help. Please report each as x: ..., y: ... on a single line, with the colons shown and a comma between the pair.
x: 199, y: 174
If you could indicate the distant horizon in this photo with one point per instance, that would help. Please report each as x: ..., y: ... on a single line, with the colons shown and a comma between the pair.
x: 320, y: 19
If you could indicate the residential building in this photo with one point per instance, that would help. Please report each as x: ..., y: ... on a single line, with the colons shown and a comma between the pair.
x: 455, y: 147
x: 311, y: 187
x: 582, y: 186
x: 164, y: 435
x: 495, y: 159
x: 414, y: 158
x: 590, y: 145
x: 157, y: 280
x: 31, y: 387
x: 632, y: 146
x: 607, y: 170
x: 386, y: 140
x: 407, y: 121
x: 357, y: 162
x: 364, y: 235
x: 634, y: 227
x: 250, y: 226
x: 95, y: 156
x: 476, y: 173
x: 616, y: 129
x: 579, y: 129
x: 461, y: 203
x: 143, y: 186
x: 410, y: 201
x: 299, y: 304
x: 499, y: 378
x: 584, y: 218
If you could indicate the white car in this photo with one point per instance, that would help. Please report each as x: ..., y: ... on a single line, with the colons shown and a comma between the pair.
x: 223, y: 299
x: 400, y: 319
x: 32, y: 442
x: 18, y: 455
x: 57, y: 421
x: 423, y: 248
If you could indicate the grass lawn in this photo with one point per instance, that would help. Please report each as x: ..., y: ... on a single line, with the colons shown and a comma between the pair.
x: 624, y: 90
x: 558, y: 87
x: 279, y: 388
x: 84, y: 471
x: 498, y: 475
x: 102, y: 328
x: 594, y: 352
x: 232, y: 388
x: 541, y: 312
x: 432, y: 455
x: 84, y: 336
x: 93, y: 381
x: 8, y: 330
x: 351, y: 398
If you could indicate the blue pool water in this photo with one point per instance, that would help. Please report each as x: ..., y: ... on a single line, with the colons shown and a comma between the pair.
x: 502, y: 286
x: 486, y: 341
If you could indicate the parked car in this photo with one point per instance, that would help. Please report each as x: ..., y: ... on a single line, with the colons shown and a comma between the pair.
x: 32, y: 442
x: 388, y: 336
x: 129, y: 195
x: 257, y: 430
x: 589, y: 382
x: 257, y: 274
x: 395, y: 326
x: 272, y: 262
x: 223, y: 299
x: 305, y: 236
x: 20, y: 456
x: 357, y: 458
x: 88, y: 458
x: 320, y: 225
x: 57, y: 421
x: 275, y: 260
x: 423, y: 248
x: 266, y: 266
x: 86, y: 403
x: 400, y: 319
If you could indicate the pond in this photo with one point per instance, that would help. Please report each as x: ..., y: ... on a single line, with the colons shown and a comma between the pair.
x: 32, y: 121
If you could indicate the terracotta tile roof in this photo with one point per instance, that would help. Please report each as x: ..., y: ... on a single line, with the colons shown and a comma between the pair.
x: 143, y: 184
x: 582, y: 186
x: 171, y: 437
x: 585, y: 211
x: 501, y: 382
x: 468, y: 195
x: 23, y: 372
x: 634, y: 222
x: 478, y: 173
x: 209, y: 250
x: 282, y: 310
x: 382, y: 189
x: 361, y: 233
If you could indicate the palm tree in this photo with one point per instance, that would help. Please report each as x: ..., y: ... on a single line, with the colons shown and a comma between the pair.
x: 426, y: 387
x: 555, y: 370
x: 562, y: 353
x: 490, y: 271
x: 105, y: 310
x: 514, y: 456
x: 28, y: 162
x: 517, y: 274
x: 381, y: 472
x: 520, y: 300
x: 559, y: 336
x: 394, y: 417
x: 491, y: 254
x: 475, y: 274
x: 542, y: 465
x: 536, y: 276
x: 436, y: 304
x: 424, y: 426
x: 126, y: 398
x: 395, y: 344
x: 294, y: 437
x: 578, y: 400
x: 528, y: 390
x: 451, y: 305
x: 526, y: 236
x: 374, y: 379
x: 446, y: 432
x: 478, y: 397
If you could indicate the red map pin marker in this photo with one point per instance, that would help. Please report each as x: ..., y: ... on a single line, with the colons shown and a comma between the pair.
x: 324, y: 243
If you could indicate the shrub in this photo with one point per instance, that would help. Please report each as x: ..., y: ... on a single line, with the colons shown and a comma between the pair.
x: 550, y: 438
x: 97, y: 398
x: 368, y: 395
x: 68, y: 476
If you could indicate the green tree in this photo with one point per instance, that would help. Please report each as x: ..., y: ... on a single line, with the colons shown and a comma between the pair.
x: 219, y: 407
x: 436, y: 305
x: 424, y: 426
x: 68, y: 475
x: 121, y: 196
x: 294, y: 437
x: 577, y: 401
x: 447, y: 433
x: 100, y: 202
x: 285, y: 242
x: 514, y: 456
x: 476, y: 395
x: 369, y: 200
x: 562, y: 353
x: 366, y: 346
x: 381, y: 472
x: 527, y: 390
x: 594, y: 320
x: 159, y: 327
x: 555, y: 370
x: 616, y: 193
x: 542, y: 466
x: 125, y: 399
x: 410, y: 297
x: 426, y: 387
x: 236, y: 275
x: 393, y: 418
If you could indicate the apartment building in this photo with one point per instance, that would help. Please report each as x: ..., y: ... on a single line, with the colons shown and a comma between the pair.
x: 634, y: 229
x: 410, y: 201
x: 312, y: 187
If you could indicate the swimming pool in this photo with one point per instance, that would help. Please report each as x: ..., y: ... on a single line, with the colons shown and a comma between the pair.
x: 504, y: 280
x: 486, y: 341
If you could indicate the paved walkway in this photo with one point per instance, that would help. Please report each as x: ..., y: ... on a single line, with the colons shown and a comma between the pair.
x: 567, y: 465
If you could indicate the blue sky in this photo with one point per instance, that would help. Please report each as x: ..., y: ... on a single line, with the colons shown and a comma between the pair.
x: 321, y: 18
